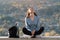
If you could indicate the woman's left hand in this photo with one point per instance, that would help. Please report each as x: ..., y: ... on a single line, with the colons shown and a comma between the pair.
x: 33, y: 32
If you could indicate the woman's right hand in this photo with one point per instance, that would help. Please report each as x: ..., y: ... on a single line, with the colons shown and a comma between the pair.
x: 33, y: 32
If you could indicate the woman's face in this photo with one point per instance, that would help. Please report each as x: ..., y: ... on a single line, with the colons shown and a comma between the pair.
x: 31, y: 12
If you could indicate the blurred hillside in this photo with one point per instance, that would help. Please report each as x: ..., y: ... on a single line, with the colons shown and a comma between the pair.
x: 12, y: 11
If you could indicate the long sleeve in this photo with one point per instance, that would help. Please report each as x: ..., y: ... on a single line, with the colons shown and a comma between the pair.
x: 26, y: 22
x: 38, y: 24
x: 26, y: 25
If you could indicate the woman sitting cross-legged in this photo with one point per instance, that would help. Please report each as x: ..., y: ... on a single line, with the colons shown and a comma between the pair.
x: 32, y: 24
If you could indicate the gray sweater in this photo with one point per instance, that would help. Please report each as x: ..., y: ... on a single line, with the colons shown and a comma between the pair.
x: 32, y: 25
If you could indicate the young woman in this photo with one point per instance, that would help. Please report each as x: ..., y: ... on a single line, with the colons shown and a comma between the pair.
x: 32, y: 24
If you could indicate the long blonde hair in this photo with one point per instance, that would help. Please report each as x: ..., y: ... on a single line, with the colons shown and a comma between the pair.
x: 28, y: 14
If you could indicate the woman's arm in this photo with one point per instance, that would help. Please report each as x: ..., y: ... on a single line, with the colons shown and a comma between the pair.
x: 26, y: 24
x: 38, y: 24
x: 33, y: 32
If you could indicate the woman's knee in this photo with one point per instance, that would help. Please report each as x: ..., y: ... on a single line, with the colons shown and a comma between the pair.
x: 42, y: 28
x: 23, y: 30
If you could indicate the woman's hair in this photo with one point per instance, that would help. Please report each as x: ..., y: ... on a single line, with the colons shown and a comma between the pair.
x: 28, y: 14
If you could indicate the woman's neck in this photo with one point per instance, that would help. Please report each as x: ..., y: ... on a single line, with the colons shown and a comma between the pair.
x: 32, y: 18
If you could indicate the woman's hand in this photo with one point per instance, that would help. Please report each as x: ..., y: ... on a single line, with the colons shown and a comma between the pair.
x: 33, y: 32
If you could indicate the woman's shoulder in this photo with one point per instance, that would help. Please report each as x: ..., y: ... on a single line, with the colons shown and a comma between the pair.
x: 37, y: 17
x: 26, y: 18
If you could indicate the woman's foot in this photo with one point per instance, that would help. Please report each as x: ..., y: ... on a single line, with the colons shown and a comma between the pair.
x: 33, y: 36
